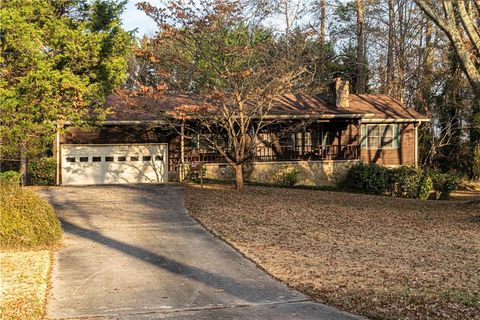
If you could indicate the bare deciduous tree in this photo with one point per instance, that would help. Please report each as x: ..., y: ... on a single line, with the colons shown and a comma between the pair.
x: 361, y: 58
x: 459, y: 21
x: 237, y: 70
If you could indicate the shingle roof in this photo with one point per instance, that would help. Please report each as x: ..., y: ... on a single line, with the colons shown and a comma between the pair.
x: 376, y: 106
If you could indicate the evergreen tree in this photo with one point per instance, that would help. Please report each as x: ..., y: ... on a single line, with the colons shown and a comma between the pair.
x: 59, y: 61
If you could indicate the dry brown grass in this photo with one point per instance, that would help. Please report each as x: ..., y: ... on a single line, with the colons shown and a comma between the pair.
x: 23, y: 286
x: 377, y: 256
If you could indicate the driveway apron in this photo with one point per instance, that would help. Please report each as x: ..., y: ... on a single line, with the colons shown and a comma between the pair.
x: 132, y: 251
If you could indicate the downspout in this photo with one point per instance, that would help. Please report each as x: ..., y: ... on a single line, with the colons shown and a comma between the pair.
x: 182, y: 152
x: 57, y: 155
x: 359, y: 140
x: 415, y: 146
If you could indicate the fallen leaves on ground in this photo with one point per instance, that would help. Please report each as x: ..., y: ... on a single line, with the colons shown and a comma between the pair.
x: 376, y: 256
x: 23, y: 284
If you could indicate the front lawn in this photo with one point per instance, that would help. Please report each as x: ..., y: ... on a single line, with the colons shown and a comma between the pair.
x: 376, y: 256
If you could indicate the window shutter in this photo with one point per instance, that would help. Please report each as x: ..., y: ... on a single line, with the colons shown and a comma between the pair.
x: 363, y: 136
x: 396, y: 136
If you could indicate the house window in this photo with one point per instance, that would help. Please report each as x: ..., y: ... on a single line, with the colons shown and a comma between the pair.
x: 147, y: 158
x: 158, y: 158
x: 134, y: 158
x: 83, y: 159
x: 121, y: 158
x: 108, y: 159
x: 380, y: 136
x: 70, y: 159
x: 96, y: 159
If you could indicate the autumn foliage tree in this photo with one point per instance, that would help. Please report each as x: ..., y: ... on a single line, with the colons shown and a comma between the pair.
x: 237, y: 69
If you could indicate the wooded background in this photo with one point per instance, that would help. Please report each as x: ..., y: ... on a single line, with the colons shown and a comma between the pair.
x: 423, y: 53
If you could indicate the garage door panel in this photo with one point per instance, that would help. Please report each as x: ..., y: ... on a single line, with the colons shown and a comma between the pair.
x: 114, y: 164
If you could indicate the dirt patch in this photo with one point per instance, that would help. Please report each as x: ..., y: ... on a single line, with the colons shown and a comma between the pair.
x: 23, y: 286
x: 377, y: 256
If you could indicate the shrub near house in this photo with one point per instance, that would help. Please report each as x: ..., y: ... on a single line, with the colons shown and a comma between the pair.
x: 403, y: 181
x: 410, y: 182
x: 42, y: 171
x: 368, y: 178
x: 26, y: 220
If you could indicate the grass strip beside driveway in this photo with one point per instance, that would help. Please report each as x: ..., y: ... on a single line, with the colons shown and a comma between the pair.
x: 24, y: 282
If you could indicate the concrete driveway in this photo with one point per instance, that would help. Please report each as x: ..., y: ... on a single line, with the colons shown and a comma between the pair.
x: 133, y: 252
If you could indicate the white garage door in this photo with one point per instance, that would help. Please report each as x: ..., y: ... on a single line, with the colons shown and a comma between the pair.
x: 114, y: 164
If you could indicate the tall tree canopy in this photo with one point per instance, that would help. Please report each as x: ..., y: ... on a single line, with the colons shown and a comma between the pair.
x: 59, y: 60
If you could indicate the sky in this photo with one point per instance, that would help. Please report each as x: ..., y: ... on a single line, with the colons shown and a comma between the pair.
x: 133, y: 18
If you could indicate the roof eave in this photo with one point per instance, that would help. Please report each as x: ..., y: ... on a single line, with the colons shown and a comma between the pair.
x: 321, y: 116
x: 390, y: 120
x: 365, y: 117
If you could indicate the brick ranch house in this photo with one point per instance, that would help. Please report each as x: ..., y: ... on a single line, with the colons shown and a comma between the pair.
x: 340, y: 129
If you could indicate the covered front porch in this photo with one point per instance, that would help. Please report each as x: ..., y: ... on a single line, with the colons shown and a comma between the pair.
x: 313, y: 142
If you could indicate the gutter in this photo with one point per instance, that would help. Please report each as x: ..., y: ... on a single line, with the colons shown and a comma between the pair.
x: 124, y: 122
x: 390, y: 120
x: 282, y: 116
x: 321, y: 116
x: 366, y: 117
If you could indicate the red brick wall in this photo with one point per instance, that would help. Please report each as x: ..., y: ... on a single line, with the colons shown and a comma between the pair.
x: 115, y: 134
x: 403, y: 155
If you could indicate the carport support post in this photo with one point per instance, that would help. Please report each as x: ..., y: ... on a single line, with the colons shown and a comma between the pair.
x: 57, y: 155
x: 182, y: 152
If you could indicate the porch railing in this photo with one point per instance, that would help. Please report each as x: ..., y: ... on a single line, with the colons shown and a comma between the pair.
x: 321, y: 152
x: 284, y: 153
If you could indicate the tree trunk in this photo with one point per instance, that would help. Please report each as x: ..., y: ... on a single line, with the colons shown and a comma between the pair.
x: 400, y: 53
x: 447, y: 22
x: 454, y: 21
x: 322, y: 22
x: 391, y: 46
x: 475, y: 137
x: 239, y: 176
x: 23, y: 168
x: 361, y: 63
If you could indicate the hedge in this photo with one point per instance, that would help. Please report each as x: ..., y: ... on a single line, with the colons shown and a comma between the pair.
x: 26, y: 219
x: 403, y: 181
x: 410, y: 182
x: 42, y: 172
x: 10, y: 176
x: 368, y: 178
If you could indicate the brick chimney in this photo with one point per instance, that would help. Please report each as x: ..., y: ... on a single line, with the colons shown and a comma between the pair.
x: 341, y: 93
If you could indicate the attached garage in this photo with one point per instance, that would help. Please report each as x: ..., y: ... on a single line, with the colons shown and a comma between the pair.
x: 89, y: 164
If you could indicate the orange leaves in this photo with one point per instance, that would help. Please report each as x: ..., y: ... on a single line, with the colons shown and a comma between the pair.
x: 161, y: 87
x: 145, y: 90
x: 189, y: 111
x: 154, y: 59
